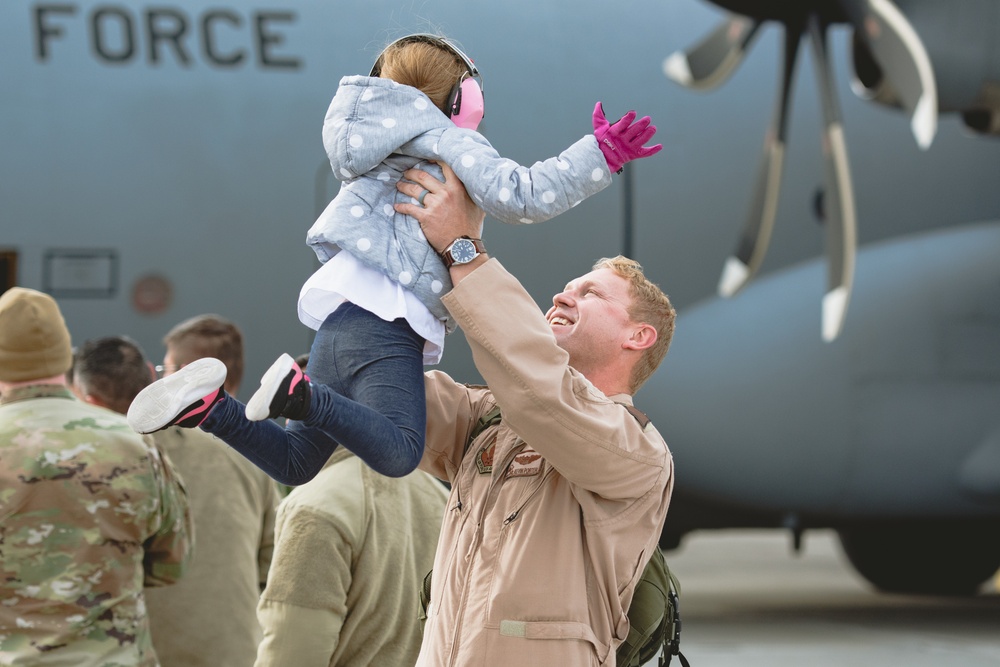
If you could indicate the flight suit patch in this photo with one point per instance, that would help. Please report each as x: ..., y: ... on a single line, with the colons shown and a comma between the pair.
x: 484, y: 458
x: 526, y: 464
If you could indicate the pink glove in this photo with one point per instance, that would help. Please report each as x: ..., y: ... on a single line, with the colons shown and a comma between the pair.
x: 623, y: 141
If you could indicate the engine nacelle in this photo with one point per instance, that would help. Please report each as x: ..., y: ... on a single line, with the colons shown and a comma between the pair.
x: 982, y: 121
x: 868, y: 81
x: 967, y: 78
x: 985, y: 118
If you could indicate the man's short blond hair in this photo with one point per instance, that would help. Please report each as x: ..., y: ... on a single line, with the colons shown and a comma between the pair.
x: 649, y: 306
x: 209, y: 336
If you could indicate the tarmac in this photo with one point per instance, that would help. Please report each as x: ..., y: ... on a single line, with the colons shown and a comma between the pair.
x: 747, y: 600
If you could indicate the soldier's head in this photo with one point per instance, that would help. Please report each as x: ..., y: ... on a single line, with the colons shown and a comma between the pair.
x: 614, y: 323
x: 110, y: 371
x: 34, y: 341
x: 206, y: 336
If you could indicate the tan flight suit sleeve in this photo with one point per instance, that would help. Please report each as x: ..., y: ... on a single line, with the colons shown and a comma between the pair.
x: 590, y: 439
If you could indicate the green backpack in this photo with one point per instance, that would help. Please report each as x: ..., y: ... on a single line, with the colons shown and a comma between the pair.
x: 654, y: 618
x: 654, y: 614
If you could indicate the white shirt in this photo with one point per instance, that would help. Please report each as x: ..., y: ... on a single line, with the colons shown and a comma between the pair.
x: 344, y: 278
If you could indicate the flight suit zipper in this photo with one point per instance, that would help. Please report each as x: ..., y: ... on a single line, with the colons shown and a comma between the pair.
x: 495, y: 479
x: 522, y: 504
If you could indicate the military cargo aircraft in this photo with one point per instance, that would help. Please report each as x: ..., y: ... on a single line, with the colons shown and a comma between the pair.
x: 161, y: 160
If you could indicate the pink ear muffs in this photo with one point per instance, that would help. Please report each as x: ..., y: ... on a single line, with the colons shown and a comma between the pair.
x: 467, y: 106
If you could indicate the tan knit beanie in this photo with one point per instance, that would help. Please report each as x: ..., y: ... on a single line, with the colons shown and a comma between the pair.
x: 34, y: 340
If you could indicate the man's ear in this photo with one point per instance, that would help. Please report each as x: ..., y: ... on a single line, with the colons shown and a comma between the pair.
x: 642, y: 338
x: 93, y: 400
x: 79, y: 393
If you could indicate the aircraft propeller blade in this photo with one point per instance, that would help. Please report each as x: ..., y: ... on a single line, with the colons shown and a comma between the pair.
x: 750, y: 250
x: 840, y: 220
x: 899, y: 52
x: 711, y: 61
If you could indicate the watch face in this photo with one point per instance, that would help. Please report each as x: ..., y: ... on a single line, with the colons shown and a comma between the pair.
x: 463, y: 251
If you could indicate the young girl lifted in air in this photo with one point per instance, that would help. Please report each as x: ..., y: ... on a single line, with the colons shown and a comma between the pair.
x: 375, y: 302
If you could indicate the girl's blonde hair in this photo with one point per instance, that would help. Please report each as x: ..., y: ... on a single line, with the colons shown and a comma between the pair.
x: 427, y: 66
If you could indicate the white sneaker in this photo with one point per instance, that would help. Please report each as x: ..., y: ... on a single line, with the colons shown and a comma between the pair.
x: 284, y: 392
x: 183, y: 398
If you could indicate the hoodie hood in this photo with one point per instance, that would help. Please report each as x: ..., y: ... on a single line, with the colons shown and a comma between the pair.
x: 370, y: 118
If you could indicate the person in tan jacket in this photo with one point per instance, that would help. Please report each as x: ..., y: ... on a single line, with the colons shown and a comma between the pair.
x: 351, y: 550
x: 554, y: 511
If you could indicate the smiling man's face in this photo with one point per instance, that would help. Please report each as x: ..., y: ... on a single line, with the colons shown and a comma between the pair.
x: 590, y: 319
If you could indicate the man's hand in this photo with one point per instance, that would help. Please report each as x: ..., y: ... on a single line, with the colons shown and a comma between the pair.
x: 447, y: 211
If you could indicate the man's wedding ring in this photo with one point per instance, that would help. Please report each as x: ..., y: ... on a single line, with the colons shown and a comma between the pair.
x: 423, y: 194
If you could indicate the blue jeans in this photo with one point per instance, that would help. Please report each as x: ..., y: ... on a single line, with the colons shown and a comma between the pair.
x: 367, y: 394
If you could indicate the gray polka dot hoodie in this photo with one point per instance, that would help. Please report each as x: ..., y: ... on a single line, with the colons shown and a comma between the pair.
x: 375, y: 129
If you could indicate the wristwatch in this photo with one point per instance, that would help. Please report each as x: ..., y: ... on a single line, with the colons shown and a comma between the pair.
x: 462, y: 251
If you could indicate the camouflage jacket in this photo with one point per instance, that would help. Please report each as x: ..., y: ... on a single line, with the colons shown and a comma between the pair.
x: 90, y: 512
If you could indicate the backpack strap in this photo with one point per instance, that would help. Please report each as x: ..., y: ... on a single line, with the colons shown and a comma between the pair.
x: 639, y: 415
x: 489, y: 419
x: 672, y: 639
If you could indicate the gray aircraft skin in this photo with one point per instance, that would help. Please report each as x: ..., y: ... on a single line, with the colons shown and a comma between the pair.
x: 158, y: 161
x: 887, y: 431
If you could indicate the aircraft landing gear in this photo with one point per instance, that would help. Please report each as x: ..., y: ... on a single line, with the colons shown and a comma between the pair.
x: 927, y: 557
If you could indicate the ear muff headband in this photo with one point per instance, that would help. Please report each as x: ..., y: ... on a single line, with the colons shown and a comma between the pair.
x: 466, y: 105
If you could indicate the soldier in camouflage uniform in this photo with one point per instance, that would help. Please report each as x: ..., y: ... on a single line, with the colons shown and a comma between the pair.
x: 210, y: 618
x: 90, y: 512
